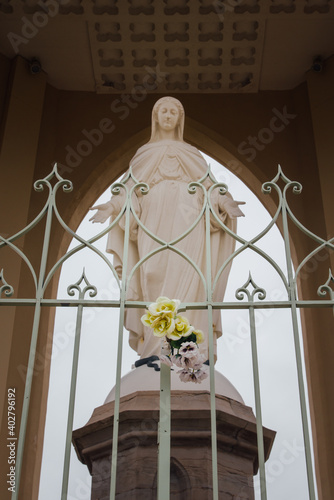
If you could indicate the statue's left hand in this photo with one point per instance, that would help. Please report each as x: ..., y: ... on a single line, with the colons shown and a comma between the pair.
x: 231, y: 207
x: 104, y: 211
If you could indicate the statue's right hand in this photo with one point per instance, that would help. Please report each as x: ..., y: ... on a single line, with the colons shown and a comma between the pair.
x: 104, y: 211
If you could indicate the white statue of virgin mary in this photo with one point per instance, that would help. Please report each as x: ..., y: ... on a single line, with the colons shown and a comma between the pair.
x: 168, y: 164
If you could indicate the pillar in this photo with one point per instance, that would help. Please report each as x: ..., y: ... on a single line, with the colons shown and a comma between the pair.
x: 191, y: 473
x: 321, y: 98
x: 19, y: 144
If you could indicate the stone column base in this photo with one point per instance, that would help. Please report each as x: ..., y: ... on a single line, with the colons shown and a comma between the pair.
x: 191, y: 472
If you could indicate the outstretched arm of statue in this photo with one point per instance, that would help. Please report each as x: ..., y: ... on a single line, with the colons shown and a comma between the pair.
x: 105, y: 210
x: 230, y: 206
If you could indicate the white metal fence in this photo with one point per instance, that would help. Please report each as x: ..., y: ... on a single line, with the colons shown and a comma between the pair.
x: 249, y: 297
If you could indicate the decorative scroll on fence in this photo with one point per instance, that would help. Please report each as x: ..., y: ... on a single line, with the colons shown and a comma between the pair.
x: 249, y: 296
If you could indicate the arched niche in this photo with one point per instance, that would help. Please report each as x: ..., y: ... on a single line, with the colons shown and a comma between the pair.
x: 180, y: 486
x: 204, y: 139
x: 116, y: 163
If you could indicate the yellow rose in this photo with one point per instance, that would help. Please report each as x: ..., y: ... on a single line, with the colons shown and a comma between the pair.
x: 163, y: 326
x: 199, y: 336
x: 164, y: 307
x: 174, y: 335
x: 182, y: 327
x: 148, y: 319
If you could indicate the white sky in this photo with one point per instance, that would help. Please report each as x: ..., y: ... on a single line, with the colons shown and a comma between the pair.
x: 286, y: 471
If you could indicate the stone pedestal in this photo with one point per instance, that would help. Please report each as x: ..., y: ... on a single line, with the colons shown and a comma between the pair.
x: 191, y: 473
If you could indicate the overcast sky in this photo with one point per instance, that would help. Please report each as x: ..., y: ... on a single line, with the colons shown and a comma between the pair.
x: 286, y: 471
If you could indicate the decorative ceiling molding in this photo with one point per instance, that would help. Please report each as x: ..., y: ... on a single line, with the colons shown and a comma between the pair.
x: 162, y: 45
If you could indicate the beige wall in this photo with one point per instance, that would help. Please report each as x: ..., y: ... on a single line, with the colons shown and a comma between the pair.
x: 320, y: 88
x: 218, y: 124
x: 4, y: 75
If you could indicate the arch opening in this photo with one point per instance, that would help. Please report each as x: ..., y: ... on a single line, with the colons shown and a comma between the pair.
x: 233, y: 345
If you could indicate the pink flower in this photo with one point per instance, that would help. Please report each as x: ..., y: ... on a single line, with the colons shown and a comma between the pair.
x: 190, y: 375
x: 165, y: 360
x: 185, y: 375
x: 196, y: 362
x: 186, y: 362
x: 202, y: 374
x: 165, y: 347
x: 188, y: 349
x: 177, y: 361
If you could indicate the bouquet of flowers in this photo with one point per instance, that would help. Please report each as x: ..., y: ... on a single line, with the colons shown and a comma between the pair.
x: 180, y: 346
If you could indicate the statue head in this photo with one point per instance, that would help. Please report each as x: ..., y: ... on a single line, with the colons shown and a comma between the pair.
x: 172, y: 107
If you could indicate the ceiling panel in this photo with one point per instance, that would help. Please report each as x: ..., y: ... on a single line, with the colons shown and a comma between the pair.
x: 177, y: 46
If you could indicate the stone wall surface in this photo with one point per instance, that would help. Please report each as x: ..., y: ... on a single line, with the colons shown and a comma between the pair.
x: 191, y: 461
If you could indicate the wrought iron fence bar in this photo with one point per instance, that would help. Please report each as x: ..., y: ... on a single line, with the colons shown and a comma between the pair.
x: 301, y: 385
x: 312, y: 254
x: 258, y: 411
x: 215, y: 489
x: 171, y: 244
x: 246, y: 244
x: 18, y: 302
x: 26, y: 400
x: 303, y: 406
x: 23, y: 257
x: 116, y: 407
x: 236, y: 236
x: 113, y: 473
x: 67, y: 455
x: 172, y: 249
x: 260, y: 252
x: 31, y: 225
x: 323, y: 243
x: 164, y: 433
x: 191, y: 190
x: 303, y: 304
x: 300, y: 304
x: 32, y: 351
x: 127, y: 211
x: 84, y: 244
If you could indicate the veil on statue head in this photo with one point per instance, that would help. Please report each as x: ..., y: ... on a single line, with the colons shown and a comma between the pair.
x: 155, y: 133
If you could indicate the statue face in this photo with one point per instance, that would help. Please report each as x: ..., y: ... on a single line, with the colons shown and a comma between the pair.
x: 168, y: 116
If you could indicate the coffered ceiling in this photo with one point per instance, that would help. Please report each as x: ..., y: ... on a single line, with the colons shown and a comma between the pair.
x: 200, y: 46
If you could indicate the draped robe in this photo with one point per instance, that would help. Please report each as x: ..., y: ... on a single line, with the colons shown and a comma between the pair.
x: 168, y: 210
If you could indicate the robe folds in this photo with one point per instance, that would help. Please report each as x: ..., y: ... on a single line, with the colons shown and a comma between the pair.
x: 167, y: 211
